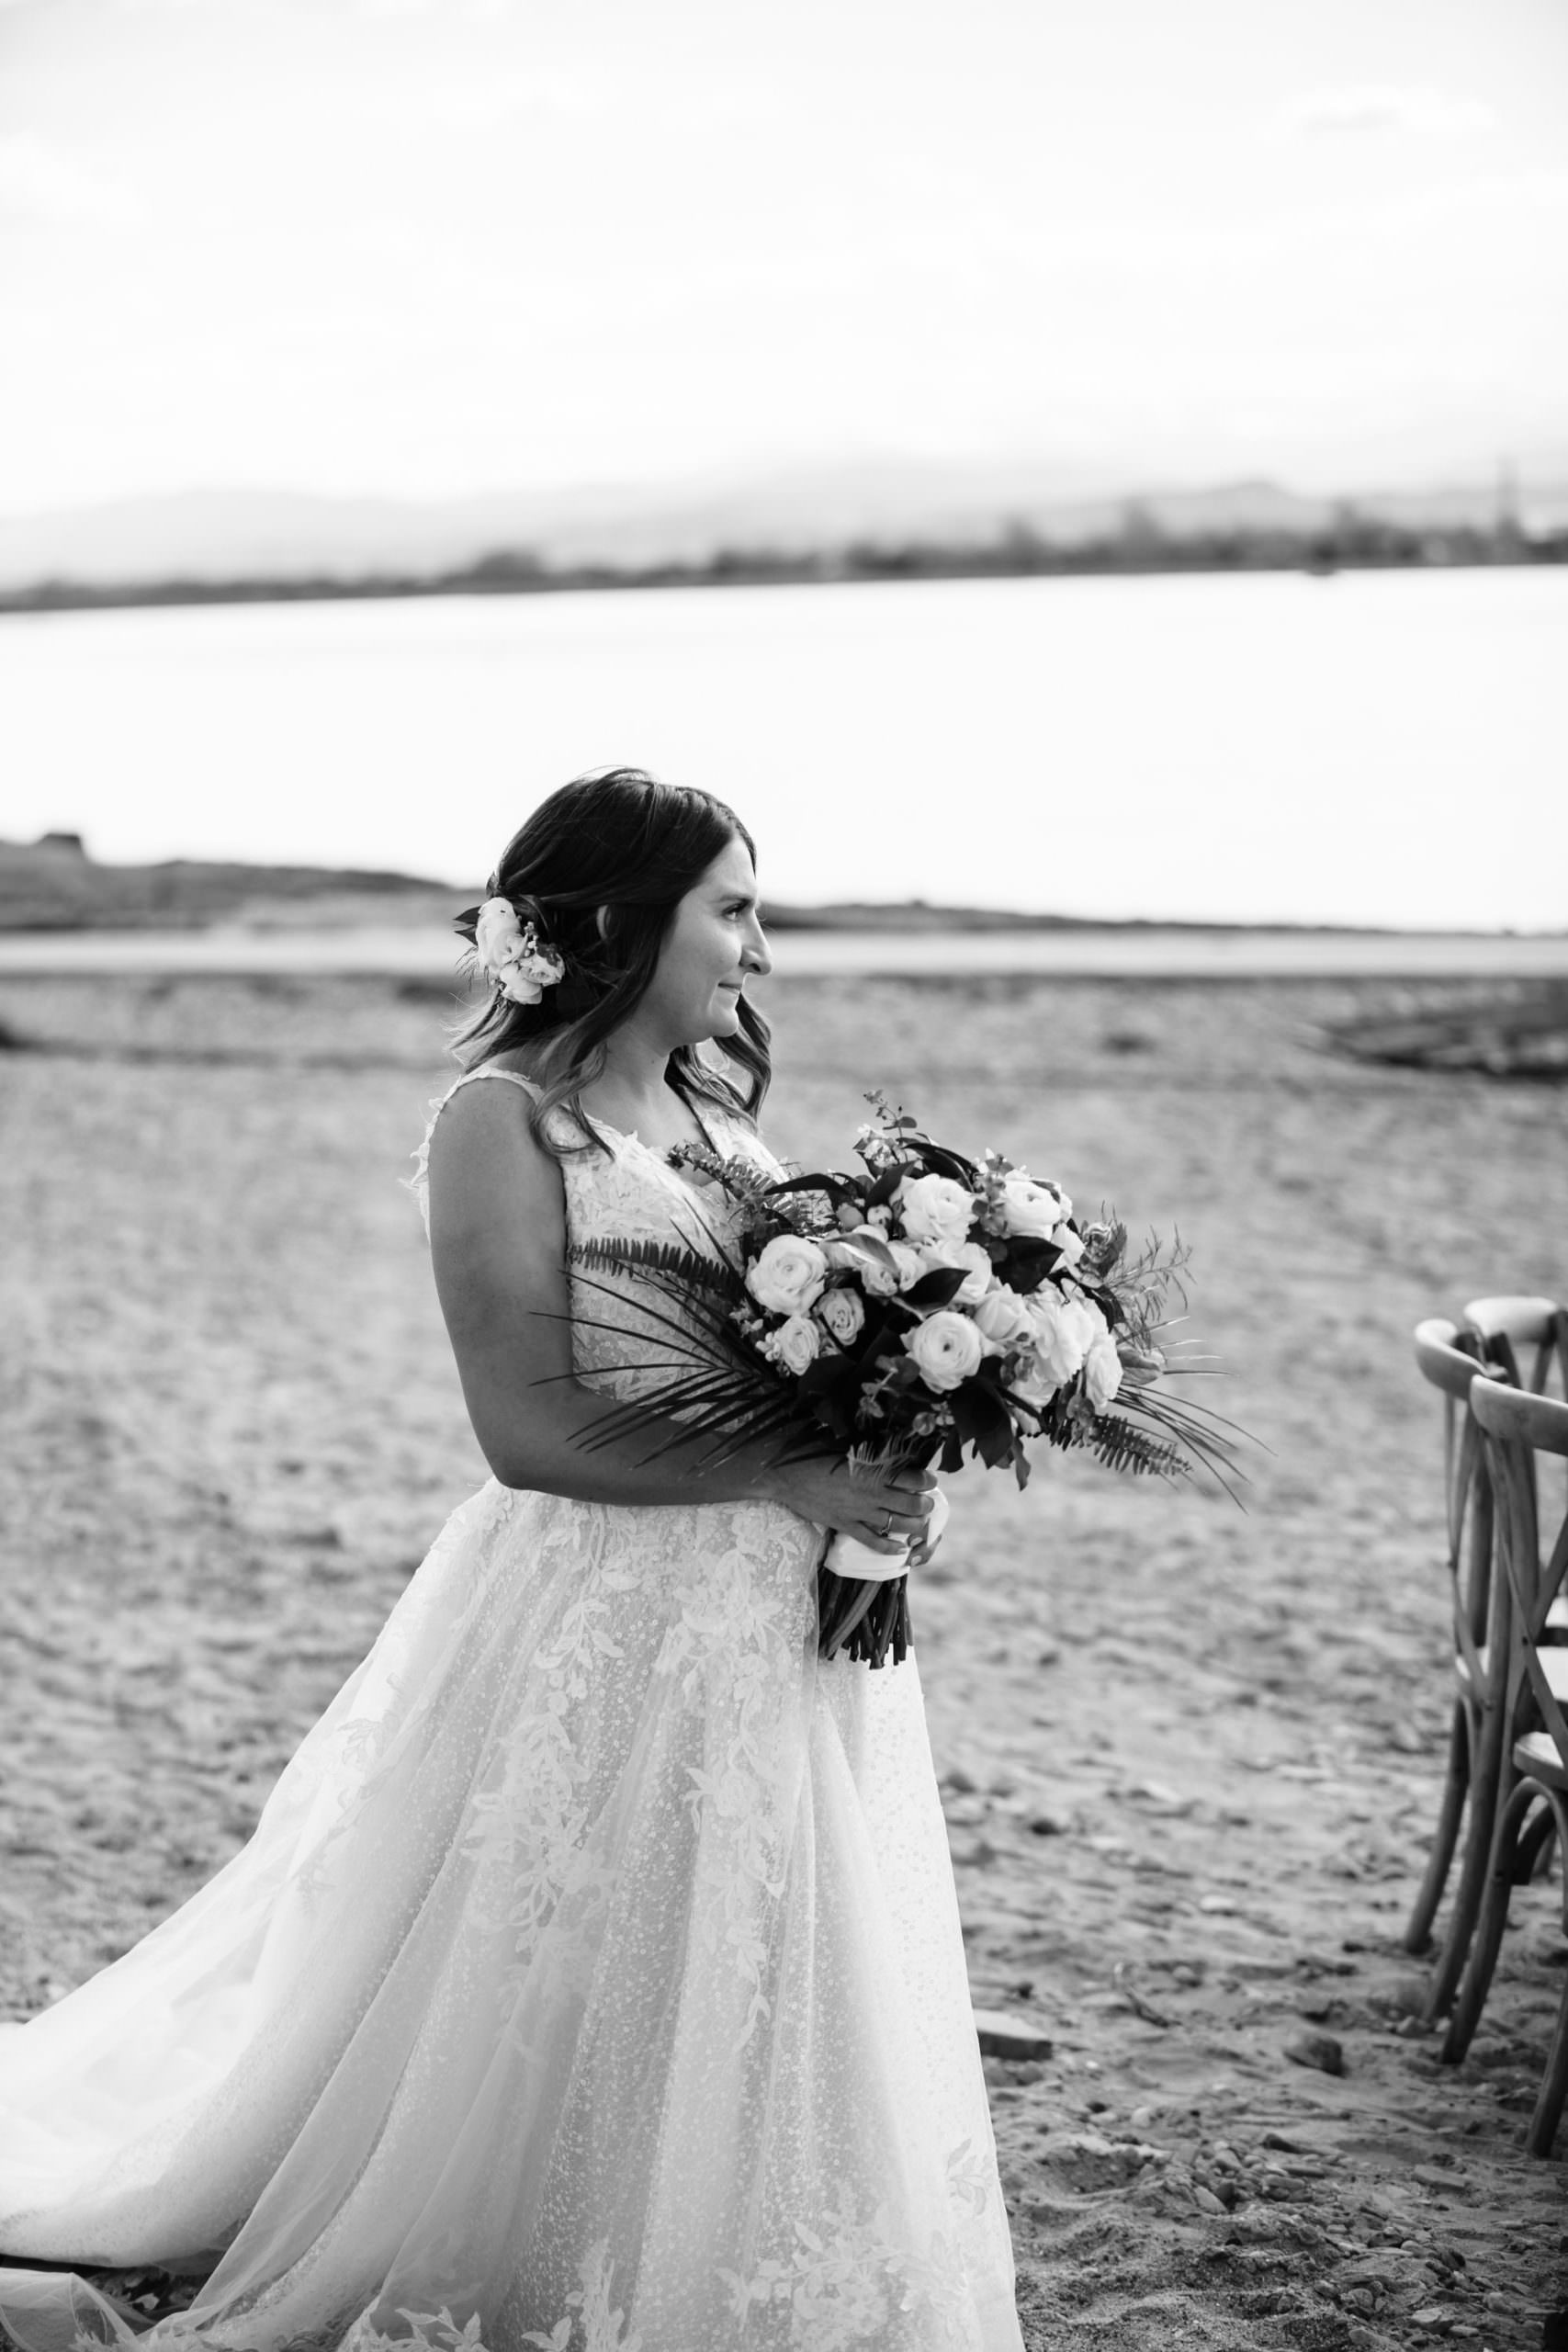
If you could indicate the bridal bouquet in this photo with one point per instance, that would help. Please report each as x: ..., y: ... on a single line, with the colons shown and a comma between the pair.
x: 924, y: 1306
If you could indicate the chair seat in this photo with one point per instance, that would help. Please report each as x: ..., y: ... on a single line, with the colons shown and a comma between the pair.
x: 1554, y: 1662
x: 1536, y: 1754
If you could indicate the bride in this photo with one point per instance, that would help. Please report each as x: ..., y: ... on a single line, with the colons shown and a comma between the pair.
x: 592, y: 1980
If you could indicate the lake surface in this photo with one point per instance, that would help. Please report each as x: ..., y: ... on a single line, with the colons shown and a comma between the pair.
x: 417, y: 951
x: 1366, y: 749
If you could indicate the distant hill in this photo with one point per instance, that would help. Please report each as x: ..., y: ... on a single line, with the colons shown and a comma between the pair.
x: 211, y: 535
x: 53, y: 885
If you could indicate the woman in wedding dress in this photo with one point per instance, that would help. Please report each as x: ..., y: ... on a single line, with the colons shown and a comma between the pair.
x: 592, y: 1980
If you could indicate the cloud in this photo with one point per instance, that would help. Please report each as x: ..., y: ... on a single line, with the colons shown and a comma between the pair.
x: 1375, y: 108
x: 40, y: 181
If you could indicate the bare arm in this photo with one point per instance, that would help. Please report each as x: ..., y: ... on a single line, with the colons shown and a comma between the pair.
x: 498, y: 1241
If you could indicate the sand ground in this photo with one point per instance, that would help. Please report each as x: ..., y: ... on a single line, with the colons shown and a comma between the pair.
x: 1191, y: 1757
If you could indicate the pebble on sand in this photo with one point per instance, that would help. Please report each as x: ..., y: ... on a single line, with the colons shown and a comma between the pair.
x: 1001, y: 2036
x: 1319, y: 2050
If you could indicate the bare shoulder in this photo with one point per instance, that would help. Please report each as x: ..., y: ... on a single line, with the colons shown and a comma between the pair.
x: 485, y: 1161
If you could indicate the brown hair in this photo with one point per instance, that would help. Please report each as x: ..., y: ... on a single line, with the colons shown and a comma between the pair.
x: 599, y: 869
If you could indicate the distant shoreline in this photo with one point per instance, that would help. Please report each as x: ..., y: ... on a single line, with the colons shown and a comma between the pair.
x: 60, y: 911
x: 1132, y: 951
x: 1365, y: 545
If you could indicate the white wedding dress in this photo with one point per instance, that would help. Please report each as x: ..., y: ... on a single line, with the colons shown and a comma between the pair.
x: 592, y: 1980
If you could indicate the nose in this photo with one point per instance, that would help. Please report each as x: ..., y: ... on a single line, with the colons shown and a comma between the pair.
x: 754, y: 954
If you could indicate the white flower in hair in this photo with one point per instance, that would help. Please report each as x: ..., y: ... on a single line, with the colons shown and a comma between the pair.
x: 509, y: 955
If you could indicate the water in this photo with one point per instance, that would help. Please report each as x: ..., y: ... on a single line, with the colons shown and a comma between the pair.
x: 1373, y: 747
x: 429, y: 951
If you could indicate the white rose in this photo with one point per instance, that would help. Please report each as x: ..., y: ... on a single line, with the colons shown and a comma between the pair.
x: 946, y: 1349
x: 1102, y: 1372
x: 1031, y: 1209
x: 865, y: 1252
x: 498, y: 934
x: 1002, y: 1317
x: 1067, y: 1242
x: 1033, y: 1383
x: 1064, y: 1331
x: 789, y: 1275
x: 937, y: 1210
x: 794, y: 1344
x: 842, y: 1313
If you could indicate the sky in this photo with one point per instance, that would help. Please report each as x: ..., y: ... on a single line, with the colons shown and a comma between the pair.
x: 426, y: 247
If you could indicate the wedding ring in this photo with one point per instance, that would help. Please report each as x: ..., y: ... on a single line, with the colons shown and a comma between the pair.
x: 887, y: 1523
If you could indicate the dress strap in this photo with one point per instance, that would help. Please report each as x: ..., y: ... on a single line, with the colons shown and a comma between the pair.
x: 419, y: 1182
x: 488, y: 1069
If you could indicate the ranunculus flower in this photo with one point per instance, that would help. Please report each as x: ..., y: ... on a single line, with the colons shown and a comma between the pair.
x: 1031, y: 1209
x: 1002, y: 1317
x: 946, y: 1349
x: 525, y: 978
x: 935, y: 1209
x: 842, y: 1311
x: 789, y: 1275
x: 498, y: 934
x: 1064, y: 1331
x: 1101, y: 1371
x: 795, y: 1344
x: 509, y: 953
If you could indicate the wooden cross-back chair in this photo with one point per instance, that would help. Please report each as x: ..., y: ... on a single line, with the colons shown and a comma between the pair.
x: 1520, y: 1331
x: 1529, y: 1337
x: 1451, y: 1360
x: 1516, y: 1428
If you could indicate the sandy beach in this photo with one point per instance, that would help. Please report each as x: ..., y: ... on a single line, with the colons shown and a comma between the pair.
x: 1191, y: 1756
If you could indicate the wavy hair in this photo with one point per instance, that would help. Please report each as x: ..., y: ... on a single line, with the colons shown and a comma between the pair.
x: 599, y: 869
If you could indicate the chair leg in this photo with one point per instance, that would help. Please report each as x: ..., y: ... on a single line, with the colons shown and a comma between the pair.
x: 1489, y: 1762
x: 1444, y: 1836
x: 1488, y: 1937
x: 1535, y: 1849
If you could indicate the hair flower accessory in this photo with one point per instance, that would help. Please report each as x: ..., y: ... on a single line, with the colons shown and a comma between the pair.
x: 512, y: 956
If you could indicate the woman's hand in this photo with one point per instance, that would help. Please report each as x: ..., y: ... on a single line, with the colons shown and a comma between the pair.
x: 877, y: 1504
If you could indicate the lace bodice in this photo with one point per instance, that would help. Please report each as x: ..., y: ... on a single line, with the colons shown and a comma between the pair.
x: 629, y: 1192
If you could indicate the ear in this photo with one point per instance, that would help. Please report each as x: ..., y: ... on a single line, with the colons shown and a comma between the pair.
x: 602, y: 919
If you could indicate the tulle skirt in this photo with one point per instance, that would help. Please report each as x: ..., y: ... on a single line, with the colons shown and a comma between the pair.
x: 592, y: 1980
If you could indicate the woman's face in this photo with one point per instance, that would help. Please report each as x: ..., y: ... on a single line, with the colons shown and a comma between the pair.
x: 713, y: 946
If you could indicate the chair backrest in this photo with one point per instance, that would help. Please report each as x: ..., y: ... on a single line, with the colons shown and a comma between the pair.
x: 1516, y: 1427
x: 1513, y: 1328
x: 1451, y: 1360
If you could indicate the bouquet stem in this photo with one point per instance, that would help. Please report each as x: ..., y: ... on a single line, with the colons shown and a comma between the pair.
x: 867, y: 1618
